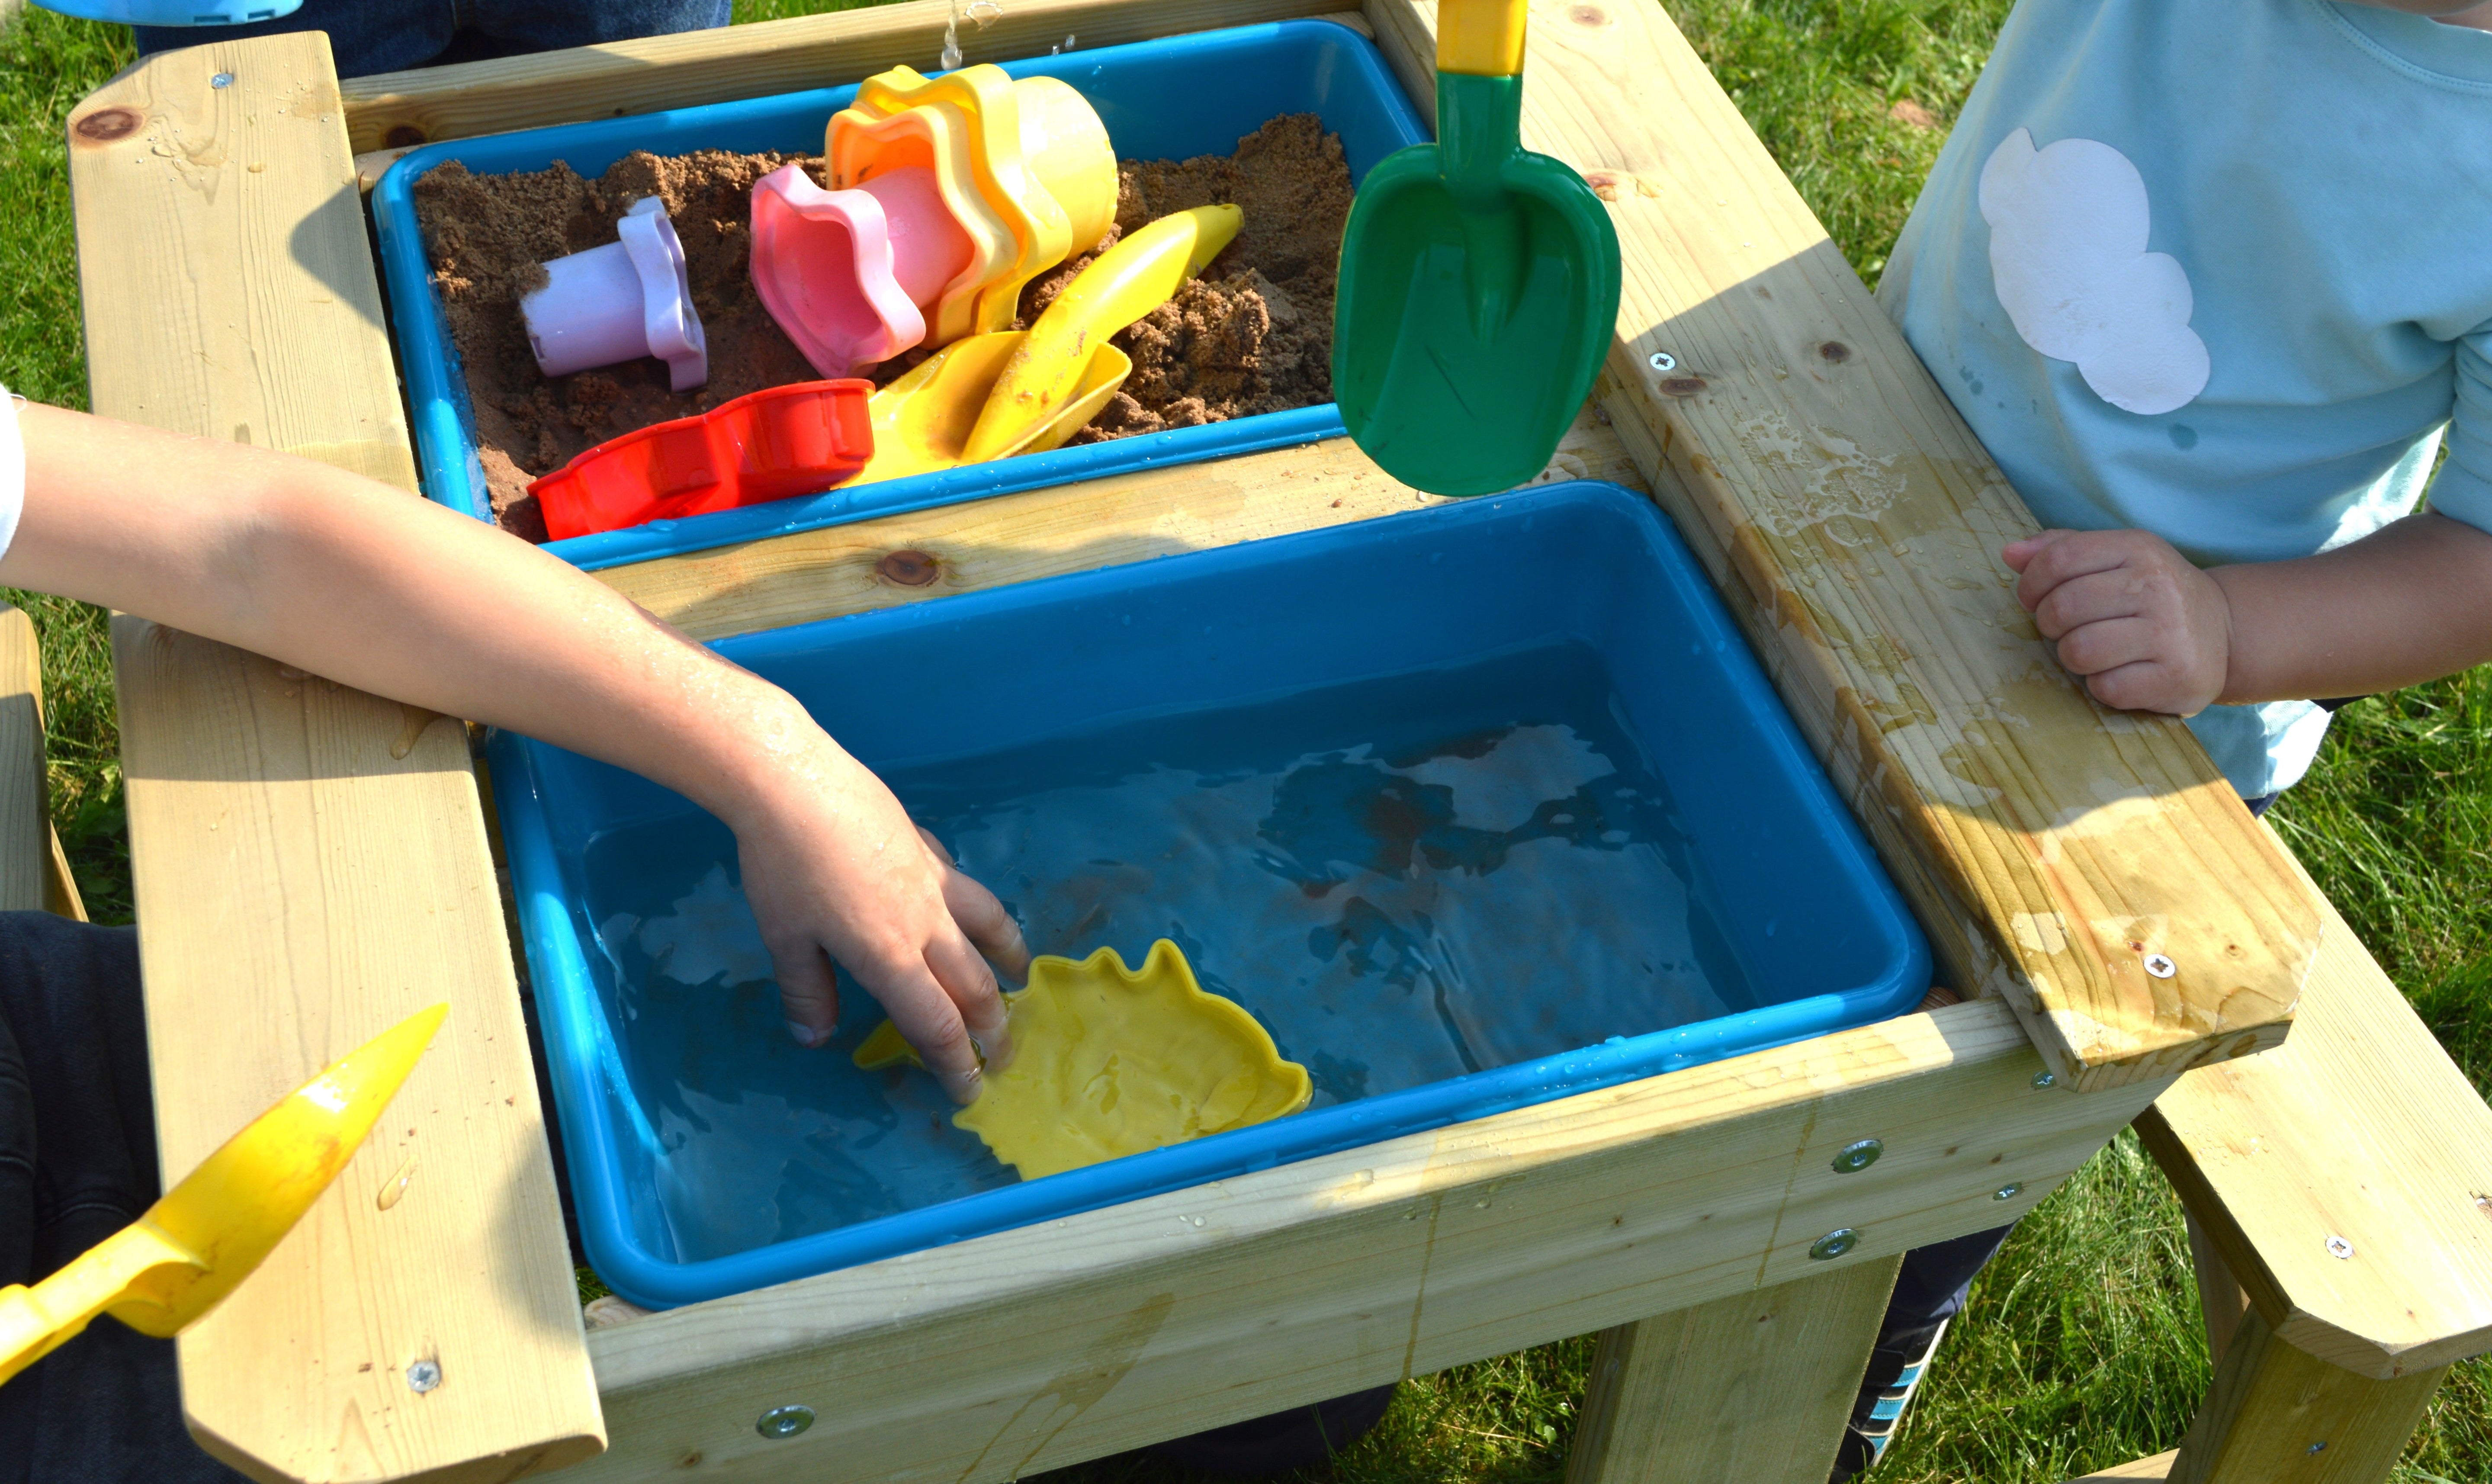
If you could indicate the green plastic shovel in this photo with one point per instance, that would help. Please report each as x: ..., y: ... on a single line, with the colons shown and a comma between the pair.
x: 1479, y: 282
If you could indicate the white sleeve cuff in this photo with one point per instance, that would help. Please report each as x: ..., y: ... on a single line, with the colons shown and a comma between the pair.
x: 13, y: 469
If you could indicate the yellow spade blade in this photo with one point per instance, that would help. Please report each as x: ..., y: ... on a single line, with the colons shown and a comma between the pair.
x: 1141, y: 273
x: 922, y: 421
x: 173, y: 1264
x: 1110, y: 1060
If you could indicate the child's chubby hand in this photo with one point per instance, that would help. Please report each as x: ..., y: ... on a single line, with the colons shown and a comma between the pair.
x: 2148, y: 631
x: 836, y: 872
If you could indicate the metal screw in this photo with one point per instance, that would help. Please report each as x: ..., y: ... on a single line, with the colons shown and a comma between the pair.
x: 222, y: 80
x: 1834, y: 1244
x: 1662, y: 361
x: 780, y: 1422
x: 424, y: 1375
x: 2045, y: 1080
x: 1858, y: 1155
x: 2009, y: 1190
x: 2340, y: 1248
x: 2160, y: 967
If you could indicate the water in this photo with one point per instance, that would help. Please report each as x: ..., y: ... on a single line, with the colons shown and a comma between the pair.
x: 1405, y: 881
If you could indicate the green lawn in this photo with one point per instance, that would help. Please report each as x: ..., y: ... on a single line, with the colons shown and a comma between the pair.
x: 2081, y: 1347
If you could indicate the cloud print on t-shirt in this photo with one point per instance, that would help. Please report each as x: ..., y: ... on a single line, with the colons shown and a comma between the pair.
x: 2068, y: 252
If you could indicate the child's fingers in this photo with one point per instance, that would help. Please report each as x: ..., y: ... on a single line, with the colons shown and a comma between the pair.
x: 923, y: 1009
x: 971, y: 985
x: 2098, y: 648
x: 990, y: 927
x: 2146, y: 685
x: 2095, y: 598
x: 808, y: 989
x: 2018, y: 553
x: 2073, y: 554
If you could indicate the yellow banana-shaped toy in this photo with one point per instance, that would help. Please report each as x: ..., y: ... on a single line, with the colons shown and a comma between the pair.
x: 1122, y: 284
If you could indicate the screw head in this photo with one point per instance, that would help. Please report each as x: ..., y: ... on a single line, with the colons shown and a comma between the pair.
x: 780, y: 1422
x: 1662, y: 361
x: 222, y: 80
x: 2009, y: 1191
x: 2045, y: 1080
x: 2160, y: 965
x: 2340, y: 1248
x: 1858, y: 1155
x: 424, y: 1375
x: 1834, y: 1244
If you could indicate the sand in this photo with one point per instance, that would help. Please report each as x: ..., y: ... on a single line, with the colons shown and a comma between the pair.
x: 1252, y: 334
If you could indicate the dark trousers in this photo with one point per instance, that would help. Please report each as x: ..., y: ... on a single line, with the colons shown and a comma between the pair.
x: 387, y: 36
x: 78, y: 1162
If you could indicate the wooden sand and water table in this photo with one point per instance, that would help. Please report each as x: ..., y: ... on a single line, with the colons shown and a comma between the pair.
x: 312, y: 864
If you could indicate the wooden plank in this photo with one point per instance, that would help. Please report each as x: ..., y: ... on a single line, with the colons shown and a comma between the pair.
x: 2158, y: 1468
x: 1855, y: 523
x: 262, y: 805
x: 392, y: 110
x: 2221, y: 1300
x: 25, y: 828
x: 1131, y: 518
x: 1028, y: 1349
x: 2360, y: 1129
x: 1756, y: 1387
x: 2277, y: 1414
x: 309, y: 863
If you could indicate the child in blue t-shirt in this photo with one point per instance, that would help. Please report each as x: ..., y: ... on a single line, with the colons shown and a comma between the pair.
x: 2210, y: 279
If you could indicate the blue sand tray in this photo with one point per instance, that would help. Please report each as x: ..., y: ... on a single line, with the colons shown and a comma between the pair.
x: 1164, y: 100
x: 1472, y: 807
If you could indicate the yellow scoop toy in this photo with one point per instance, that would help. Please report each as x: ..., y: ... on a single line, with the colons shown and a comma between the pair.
x: 1108, y: 1061
x: 1026, y: 391
x: 171, y: 1266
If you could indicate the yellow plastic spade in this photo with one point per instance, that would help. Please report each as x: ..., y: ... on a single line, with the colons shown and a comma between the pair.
x: 922, y: 421
x: 1138, y: 275
x: 173, y: 1264
x: 1109, y: 1060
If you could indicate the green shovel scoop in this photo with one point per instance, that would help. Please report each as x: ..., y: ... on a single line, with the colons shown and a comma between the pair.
x: 1479, y: 282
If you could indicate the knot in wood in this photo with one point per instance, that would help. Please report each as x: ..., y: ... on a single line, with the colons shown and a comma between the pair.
x: 1682, y: 386
x: 1835, y: 351
x: 106, y: 125
x: 909, y: 568
x: 1589, y: 16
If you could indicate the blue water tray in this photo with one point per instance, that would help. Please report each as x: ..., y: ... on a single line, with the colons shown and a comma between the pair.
x: 1164, y: 100
x: 1473, y: 807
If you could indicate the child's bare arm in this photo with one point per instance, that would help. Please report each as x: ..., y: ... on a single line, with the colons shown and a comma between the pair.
x: 372, y: 588
x: 2150, y: 633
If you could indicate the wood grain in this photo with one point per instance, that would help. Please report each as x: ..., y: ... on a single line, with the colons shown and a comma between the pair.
x: 2277, y: 1414
x: 1756, y: 1387
x: 1853, y: 523
x: 1130, y: 518
x: 391, y: 109
x: 1000, y: 1356
x: 309, y: 863
x: 25, y: 827
x: 2360, y: 1127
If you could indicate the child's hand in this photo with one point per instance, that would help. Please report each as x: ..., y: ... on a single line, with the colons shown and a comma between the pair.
x: 834, y: 871
x: 2148, y: 631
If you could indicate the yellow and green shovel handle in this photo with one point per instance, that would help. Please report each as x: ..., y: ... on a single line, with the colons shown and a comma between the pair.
x: 171, y: 1266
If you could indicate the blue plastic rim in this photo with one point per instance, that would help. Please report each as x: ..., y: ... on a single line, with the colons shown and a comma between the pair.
x: 1164, y: 99
x: 1824, y: 938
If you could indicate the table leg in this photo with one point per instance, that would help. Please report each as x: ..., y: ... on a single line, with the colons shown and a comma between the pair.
x: 2220, y: 1298
x: 2279, y: 1416
x: 1753, y: 1389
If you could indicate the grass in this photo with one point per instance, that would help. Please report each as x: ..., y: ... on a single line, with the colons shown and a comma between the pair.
x: 2082, y: 1347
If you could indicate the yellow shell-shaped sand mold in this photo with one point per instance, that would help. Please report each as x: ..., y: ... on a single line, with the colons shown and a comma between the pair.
x: 1109, y: 1061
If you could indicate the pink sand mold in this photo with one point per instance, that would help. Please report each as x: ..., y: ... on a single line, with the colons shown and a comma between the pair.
x: 628, y: 299
x: 852, y: 274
